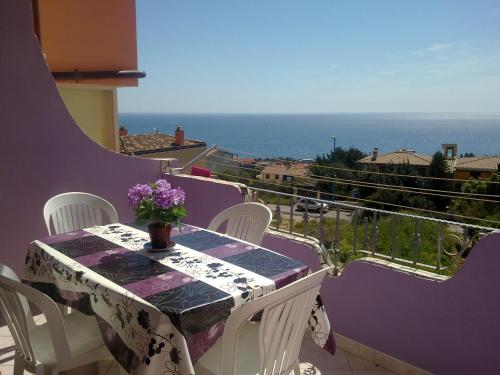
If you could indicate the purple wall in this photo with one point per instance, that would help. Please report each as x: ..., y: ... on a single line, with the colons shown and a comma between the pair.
x: 43, y: 152
x: 447, y: 327
x: 205, y: 198
x: 293, y: 249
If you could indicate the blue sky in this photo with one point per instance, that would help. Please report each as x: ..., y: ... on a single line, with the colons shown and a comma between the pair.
x: 289, y: 56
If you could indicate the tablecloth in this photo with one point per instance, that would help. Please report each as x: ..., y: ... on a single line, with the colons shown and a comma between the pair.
x: 159, y: 312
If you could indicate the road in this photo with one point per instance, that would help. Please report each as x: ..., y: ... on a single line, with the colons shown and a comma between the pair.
x: 285, y: 213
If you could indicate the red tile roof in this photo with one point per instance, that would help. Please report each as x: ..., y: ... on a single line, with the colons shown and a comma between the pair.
x: 478, y: 163
x: 399, y: 157
x: 297, y: 169
x: 152, y: 143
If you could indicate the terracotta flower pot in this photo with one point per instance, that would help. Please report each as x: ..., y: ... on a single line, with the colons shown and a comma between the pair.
x: 159, y: 235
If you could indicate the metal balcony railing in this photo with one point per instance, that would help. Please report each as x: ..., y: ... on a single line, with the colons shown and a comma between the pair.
x: 346, y: 231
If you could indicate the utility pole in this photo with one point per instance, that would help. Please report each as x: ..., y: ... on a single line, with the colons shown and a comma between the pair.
x: 334, y: 185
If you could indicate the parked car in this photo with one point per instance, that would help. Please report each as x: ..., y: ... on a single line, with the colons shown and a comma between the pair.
x: 311, y: 205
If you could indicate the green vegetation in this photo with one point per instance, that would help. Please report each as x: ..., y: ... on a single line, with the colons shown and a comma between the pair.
x: 482, y: 209
x: 427, y: 249
x: 404, y: 190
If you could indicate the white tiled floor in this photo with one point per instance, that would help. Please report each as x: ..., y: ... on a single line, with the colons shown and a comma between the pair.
x: 314, y: 361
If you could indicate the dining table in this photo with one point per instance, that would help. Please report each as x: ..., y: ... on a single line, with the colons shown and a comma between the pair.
x: 159, y: 312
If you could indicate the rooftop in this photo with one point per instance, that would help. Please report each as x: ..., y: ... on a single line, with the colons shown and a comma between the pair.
x: 141, y: 144
x: 398, y: 157
x: 475, y: 163
x: 478, y: 163
x: 295, y: 169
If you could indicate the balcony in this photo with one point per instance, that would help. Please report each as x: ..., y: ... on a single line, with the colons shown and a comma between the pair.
x: 392, y: 309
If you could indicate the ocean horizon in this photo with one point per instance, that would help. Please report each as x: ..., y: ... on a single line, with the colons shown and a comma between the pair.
x: 305, y: 135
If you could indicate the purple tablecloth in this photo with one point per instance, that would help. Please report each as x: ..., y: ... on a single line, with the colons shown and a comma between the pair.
x: 159, y: 312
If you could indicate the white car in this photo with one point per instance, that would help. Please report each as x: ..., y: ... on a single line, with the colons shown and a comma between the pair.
x: 311, y: 205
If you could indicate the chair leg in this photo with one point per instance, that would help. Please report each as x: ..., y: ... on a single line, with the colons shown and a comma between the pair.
x: 18, y: 365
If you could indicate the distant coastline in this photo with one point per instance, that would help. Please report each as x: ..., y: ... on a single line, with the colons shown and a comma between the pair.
x: 302, y: 136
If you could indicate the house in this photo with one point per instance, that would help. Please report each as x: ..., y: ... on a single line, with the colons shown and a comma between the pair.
x: 249, y: 163
x: 462, y: 168
x: 380, y: 162
x: 158, y: 145
x: 283, y: 172
x: 483, y: 167
x: 465, y: 167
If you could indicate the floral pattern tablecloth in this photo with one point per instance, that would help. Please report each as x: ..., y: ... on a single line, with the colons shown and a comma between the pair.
x: 159, y: 312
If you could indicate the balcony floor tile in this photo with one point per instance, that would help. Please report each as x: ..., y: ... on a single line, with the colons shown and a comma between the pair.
x: 313, y: 360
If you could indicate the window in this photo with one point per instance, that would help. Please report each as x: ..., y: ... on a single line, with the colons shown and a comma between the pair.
x: 267, y: 176
x: 276, y: 177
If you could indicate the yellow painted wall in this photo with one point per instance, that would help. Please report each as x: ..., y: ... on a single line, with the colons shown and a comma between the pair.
x: 94, y: 110
x: 272, y: 178
x: 465, y: 175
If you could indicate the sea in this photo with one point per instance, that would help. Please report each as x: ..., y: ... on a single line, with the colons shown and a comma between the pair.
x: 303, y: 136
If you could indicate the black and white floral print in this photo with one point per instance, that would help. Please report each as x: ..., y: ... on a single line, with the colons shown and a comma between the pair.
x: 150, y: 306
x: 132, y: 320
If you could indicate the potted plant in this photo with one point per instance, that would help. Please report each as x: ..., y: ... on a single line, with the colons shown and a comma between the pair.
x: 158, y: 205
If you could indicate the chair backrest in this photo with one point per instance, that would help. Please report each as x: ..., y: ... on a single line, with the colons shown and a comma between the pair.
x: 14, y: 297
x: 246, y: 221
x: 284, y: 319
x: 75, y: 210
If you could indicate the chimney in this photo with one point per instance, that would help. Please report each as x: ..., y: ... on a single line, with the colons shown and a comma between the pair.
x: 122, y: 131
x: 179, y: 136
x: 374, y: 154
x: 450, y: 150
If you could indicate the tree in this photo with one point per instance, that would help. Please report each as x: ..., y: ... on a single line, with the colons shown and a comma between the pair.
x: 477, y: 208
x: 342, y: 159
x: 438, y: 168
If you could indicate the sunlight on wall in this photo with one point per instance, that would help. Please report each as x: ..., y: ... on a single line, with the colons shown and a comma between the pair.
x: 94, y: 110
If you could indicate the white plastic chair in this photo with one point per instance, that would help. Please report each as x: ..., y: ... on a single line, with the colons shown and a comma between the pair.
x: 55, y: 346
x: 75, y: 210
x: 246, y: 221
x: 272, y: 346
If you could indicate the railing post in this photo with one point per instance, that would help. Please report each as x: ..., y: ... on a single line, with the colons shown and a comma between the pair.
x: 355, y: 232
x: 321, y: 226
x: 416, y: 242
x: 394, y: 224
x: 465, y: 236
x: 374, y: 233
x: 365, y: 233
x: 278, y: 214
x: 337, y: 230
x: 335, y: 260
x: 266, y: 197
x: 305, y: 218
x: 290, y: 230
x: 255, y: 196
x: 440, y: 246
